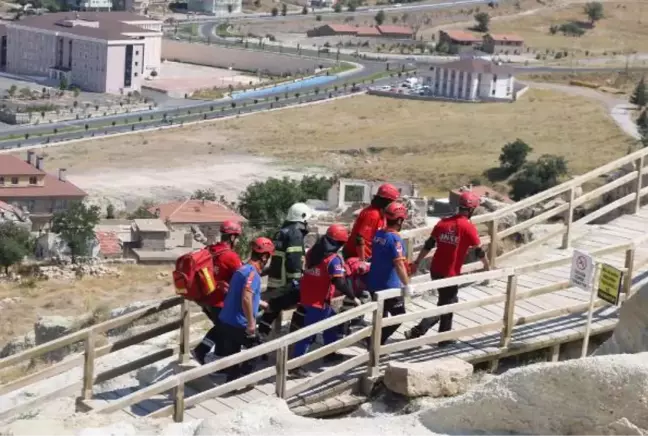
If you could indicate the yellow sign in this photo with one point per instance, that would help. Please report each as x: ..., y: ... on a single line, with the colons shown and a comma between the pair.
x: 609, y: 285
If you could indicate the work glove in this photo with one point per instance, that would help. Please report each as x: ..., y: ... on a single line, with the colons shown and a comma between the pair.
x: 407, y: 291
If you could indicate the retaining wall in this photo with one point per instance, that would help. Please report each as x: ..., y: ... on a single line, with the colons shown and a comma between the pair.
x: 239, y: 59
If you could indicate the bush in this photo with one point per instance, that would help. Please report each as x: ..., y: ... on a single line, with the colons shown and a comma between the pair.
x: 538, y: 176
x: 571, y: 29
x: 514, y: 155
x: 318, y: 18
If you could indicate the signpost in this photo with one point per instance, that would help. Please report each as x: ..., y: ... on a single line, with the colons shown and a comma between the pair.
x: 581, y: 275
x: 609, y: 284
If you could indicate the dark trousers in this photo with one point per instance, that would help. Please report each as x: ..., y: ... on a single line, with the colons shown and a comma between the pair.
x: 234, y: 340
x: 286, y: 300
x: 214, y: 337
x: 393, y: 306
x: 447, y: 296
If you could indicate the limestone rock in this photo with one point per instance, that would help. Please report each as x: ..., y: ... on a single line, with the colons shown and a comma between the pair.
x: 437, y: 378
x: 18, y: 344
x: 622, y: 427
x: 154, y: 373
x: 48, y: 328
x: 36, y: 427
x: 631, y: 333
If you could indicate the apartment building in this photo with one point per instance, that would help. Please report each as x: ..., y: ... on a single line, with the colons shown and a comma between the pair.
x: 26, y: 183
x: 218, y: 8
x: 110, y: 52
x: 90, y: 5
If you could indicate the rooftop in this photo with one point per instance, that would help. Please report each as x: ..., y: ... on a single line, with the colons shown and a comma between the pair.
x: 403, y: 30
x: 52, y: 185
x: 340, y: 27
x: 150, y: 225
x: 367, y: 31
x: 195, y: 212
x: 109, y: 243
x: 460, y: 35
x: 14, y: 166
x: 473, y: 65
x: 98, y: 25
x: 505, y: 37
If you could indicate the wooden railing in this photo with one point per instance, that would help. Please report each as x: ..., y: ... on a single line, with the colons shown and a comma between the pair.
x: 568, y: 190
x: 280, y: 346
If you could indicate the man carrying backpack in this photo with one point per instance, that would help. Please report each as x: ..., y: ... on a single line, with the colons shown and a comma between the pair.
x: 226, y: 262
x: 286, y: 265
x: 242, y: 303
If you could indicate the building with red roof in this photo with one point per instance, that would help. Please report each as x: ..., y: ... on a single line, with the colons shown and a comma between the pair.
x: 25, y: 183
x: 498, y: 43
x: 396, y: 31
x: 459, y: 40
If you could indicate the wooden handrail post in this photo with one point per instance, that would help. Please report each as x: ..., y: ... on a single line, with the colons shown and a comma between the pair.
x: 185, y: 319
x: 178, y: 402
x: 640, y: 170
x: 282, y: 372
x: 374, y: 343
x: 629, y: 265
x: 570, y: 219
x: 492, y: 249
x: 509, y: 311
x: 88, y: 365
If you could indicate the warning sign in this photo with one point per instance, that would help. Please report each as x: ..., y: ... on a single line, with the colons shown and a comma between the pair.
x: 582, y: 270
x: 609, y: 286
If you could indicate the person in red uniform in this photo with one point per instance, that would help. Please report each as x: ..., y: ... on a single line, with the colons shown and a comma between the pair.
x: 226, y: 262
x: 324, y: 274
x: 453, y: 237
x: 370, y: 220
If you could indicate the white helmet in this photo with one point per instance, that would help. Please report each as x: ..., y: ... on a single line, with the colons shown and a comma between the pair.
x: 299, y: 213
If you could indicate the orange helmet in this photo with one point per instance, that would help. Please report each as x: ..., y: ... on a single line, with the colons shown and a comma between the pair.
x: 468, y: 200
x: 395, y: 211
x: 388, y: 191
x: 338, y: 233
x: 262, y: 245
x: 230, y: 228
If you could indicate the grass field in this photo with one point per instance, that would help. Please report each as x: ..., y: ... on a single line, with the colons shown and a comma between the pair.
x: 436, y: 144
x: 624, y: 82
x: 623, y: 28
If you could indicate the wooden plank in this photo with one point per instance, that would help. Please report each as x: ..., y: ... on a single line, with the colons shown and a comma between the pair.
x: 199, y: 412
x: 216, y: 406
x: 335, y: 371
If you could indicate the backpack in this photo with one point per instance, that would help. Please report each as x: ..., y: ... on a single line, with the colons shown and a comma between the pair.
x: 193, y: 276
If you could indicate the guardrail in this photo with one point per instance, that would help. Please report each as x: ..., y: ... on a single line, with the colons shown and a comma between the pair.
x: 495, y: 236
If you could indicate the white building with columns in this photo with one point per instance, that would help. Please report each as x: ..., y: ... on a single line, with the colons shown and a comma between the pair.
x: 471, y: 79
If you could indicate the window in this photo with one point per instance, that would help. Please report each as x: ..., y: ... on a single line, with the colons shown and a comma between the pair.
x: 30, y: 205
x: 136, y: 53
x: 494, y: 77
x: 1, y: 180
x: 135, y: 74
x: 493, y: 93
x: 14, y: 180
x: 33, y: 181
x: 136, y: 63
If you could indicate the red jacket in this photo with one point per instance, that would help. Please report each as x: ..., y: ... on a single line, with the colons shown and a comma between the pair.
x: 226, y: 262
x: 316, y: 287
x: 369, y: 221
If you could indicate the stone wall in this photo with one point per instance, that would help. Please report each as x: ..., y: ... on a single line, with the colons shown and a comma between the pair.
x: 72, y: 113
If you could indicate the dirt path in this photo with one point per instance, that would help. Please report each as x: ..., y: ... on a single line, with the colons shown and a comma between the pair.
x: 619, y: 109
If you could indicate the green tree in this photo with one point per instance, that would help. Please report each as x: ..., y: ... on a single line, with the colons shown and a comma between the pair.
x: 12, y: 90
x: 284, y: 9
x: 204, y: 194
x: 76, y: 227
x: 264, y: 204
x: 15, y: 243
x: 483, y: 20
x: 63, y: 83
x: 514, y: 155
x: 351, y: 6
x: 594, y: 11
x: 316, y: 187
x: 305, y: 10
x: 380, y: 18
x: 642, y: 127
x: 110, y: 211
x: 639, y: 96
x: 337, y: 7
x: 538, y: 176
x: 274, y: 12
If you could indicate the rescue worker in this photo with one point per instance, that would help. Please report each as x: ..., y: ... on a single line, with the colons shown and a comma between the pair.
x: 371, y: 219
x: 325, y: 273
x: 226, y: 262
x: 286, y: 265
x: 453, y: 237
x: 357, y: 271
x: 389, y: 268
x: 242, y: 303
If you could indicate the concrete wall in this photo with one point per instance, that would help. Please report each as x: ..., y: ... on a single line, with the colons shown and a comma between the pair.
x: 152, y: 240
x: 246, y: 60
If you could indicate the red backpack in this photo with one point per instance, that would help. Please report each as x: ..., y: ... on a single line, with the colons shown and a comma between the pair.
x: 194, y: 275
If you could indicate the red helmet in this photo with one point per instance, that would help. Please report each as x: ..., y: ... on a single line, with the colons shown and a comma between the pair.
x: 262, y: 245
x: 230, y: 228
x: 468, y: 200
x: 388, y: 191
x: 338, y: 233
x: 395, y: 211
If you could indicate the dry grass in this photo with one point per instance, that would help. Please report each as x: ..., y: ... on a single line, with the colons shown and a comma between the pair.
x: 436, y: 144
x: 89, y: 295
x: 625, y: 27
x: 622, y: 81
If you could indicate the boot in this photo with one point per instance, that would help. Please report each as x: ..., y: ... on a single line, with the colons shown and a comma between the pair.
x: 334, y: 358
x: 413, y: 333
